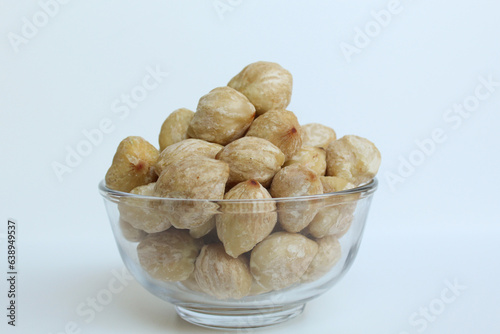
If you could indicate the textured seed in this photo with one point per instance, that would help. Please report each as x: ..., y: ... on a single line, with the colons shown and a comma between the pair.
x: 133, y: 165
x: 353, y: 158
x: 131, y: 233
x: 203, y: 229
x: 267, y: 85
x: 221, y: 275
x: 281, y: 259
x: 251, y: 158
x: 292, y: 181
x: 317, y: 135
x: 333, y: 184
x: 311, y: 157
x: 168, y: 256
x: 222, y: 116
x: 281, y: 128
x: 329, y: 253
x: 185, y: 149
x: 244, y: 224
x: 174, y: 129
x: 143, y: 214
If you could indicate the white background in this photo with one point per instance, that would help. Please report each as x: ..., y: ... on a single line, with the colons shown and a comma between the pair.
x: 438, y: 223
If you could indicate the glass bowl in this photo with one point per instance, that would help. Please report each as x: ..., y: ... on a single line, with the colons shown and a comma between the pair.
x: 293, y: 275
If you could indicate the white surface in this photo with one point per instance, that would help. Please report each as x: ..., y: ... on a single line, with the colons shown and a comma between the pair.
x: 439, y: 224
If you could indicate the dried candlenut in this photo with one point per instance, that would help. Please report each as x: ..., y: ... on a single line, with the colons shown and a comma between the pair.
x: 168, y: 256
x: 318, y: 135
x: 353, y: 158
x: 267, y: 85
x: 281, y: 128
x: 131, y: 233
x: 311, y: 157
x: 221, y: 275
x: 281, y: 259
x: 223, y: 115
x: 244, y: 224
x: 133, y: 165
x: 329, y: 253
x: 252, y: 158
x: 174, y: 129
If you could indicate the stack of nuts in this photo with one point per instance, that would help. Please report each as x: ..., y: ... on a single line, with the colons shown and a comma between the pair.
x: 240, y: 144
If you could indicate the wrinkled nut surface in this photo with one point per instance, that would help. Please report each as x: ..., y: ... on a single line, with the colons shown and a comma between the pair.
x: 329, y: 253
x: 311, y: 157
x: 185, y: 149
x: 143, y: 214
x: 131, y: 233
x: 174, y: 128
x: 291, y: 181
x: 133, y: 165
x: 168, y: 256
x: 221, y: 275
x: 281, y: 259
x: 222, y: 116
x: 243, y: 225
x: 281, y: 128
x: 333, y: 184
x: 353, y: 158
x: 257, y: 289
x: 318, y: 135
x: 252, y: 158
x: 192, y: 178
x: 203, y: 229
x: 267, y: 85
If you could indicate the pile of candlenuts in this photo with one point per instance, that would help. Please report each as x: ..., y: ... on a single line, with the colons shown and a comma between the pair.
x: 241, y: 144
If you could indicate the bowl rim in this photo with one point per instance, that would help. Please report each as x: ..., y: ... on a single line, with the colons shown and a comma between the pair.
x: 364, y: 190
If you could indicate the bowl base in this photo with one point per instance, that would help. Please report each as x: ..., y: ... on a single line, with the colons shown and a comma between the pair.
x: 239, y: 319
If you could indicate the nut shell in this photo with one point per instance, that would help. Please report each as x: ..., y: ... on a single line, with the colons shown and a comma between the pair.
x: 133, y: 164
x: 252, y: 158
x: 174, y: 128
x: 329, y: 253
x: 311, y: 157
x: 281, y: 128
x: 267, y: 85
x: 317, y: 135
x: 222, y: 116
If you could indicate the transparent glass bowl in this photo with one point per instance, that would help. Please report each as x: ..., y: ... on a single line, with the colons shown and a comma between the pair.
x: 341, y: 214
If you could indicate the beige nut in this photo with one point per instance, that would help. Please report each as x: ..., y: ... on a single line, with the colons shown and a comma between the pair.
x: 222, y: 116
x: 192, y: 178
x: 242, y: 225
x: 143, y: 214
x: 191, y: 284
x: 221, y: 275
x: 267, y: 85
x: 257, y: 289
x: 168, y: 256
x: 311, y: 157
x: 318, y: 135
x: 252, y: 158
x: 333, y: 184
x: 185, y: 149
x: 203, y: 229
x: 353, y: 158
x: 133, y: 165
x: 329, y: 253
x: 281, y: 128
x: 281, y: 259
x: 174, y: 128
x: 292, y: 181
x: 131, y: 233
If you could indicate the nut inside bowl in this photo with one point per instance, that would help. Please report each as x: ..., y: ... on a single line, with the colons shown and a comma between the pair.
x: 237, y: 266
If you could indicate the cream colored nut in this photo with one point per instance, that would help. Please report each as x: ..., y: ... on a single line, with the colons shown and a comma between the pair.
x: 185, y: 149
x: 174, y: 129
x: 281, y: 259
x: 267, y: 85
x: 333, y: 184
x: 317, y: 135
x: 131, y: 233
x: 242, y: 225
x: 192, y: 178
x: 281, y: 128
x: 191, y: 284
x: 353, y: 158
x: 292, y: 181
x: 257, y: 289
x: 222, y: 116
x: 203, y: 229
x: 252, y: 158
x: 168, y: 256
x: 329, y: 253
x: 221, y: 275
x: 143, y: 214
x: 133, y: 165
x: 311, y: 157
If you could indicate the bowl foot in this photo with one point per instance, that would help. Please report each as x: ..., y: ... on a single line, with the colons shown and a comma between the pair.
x: 238, y: 319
